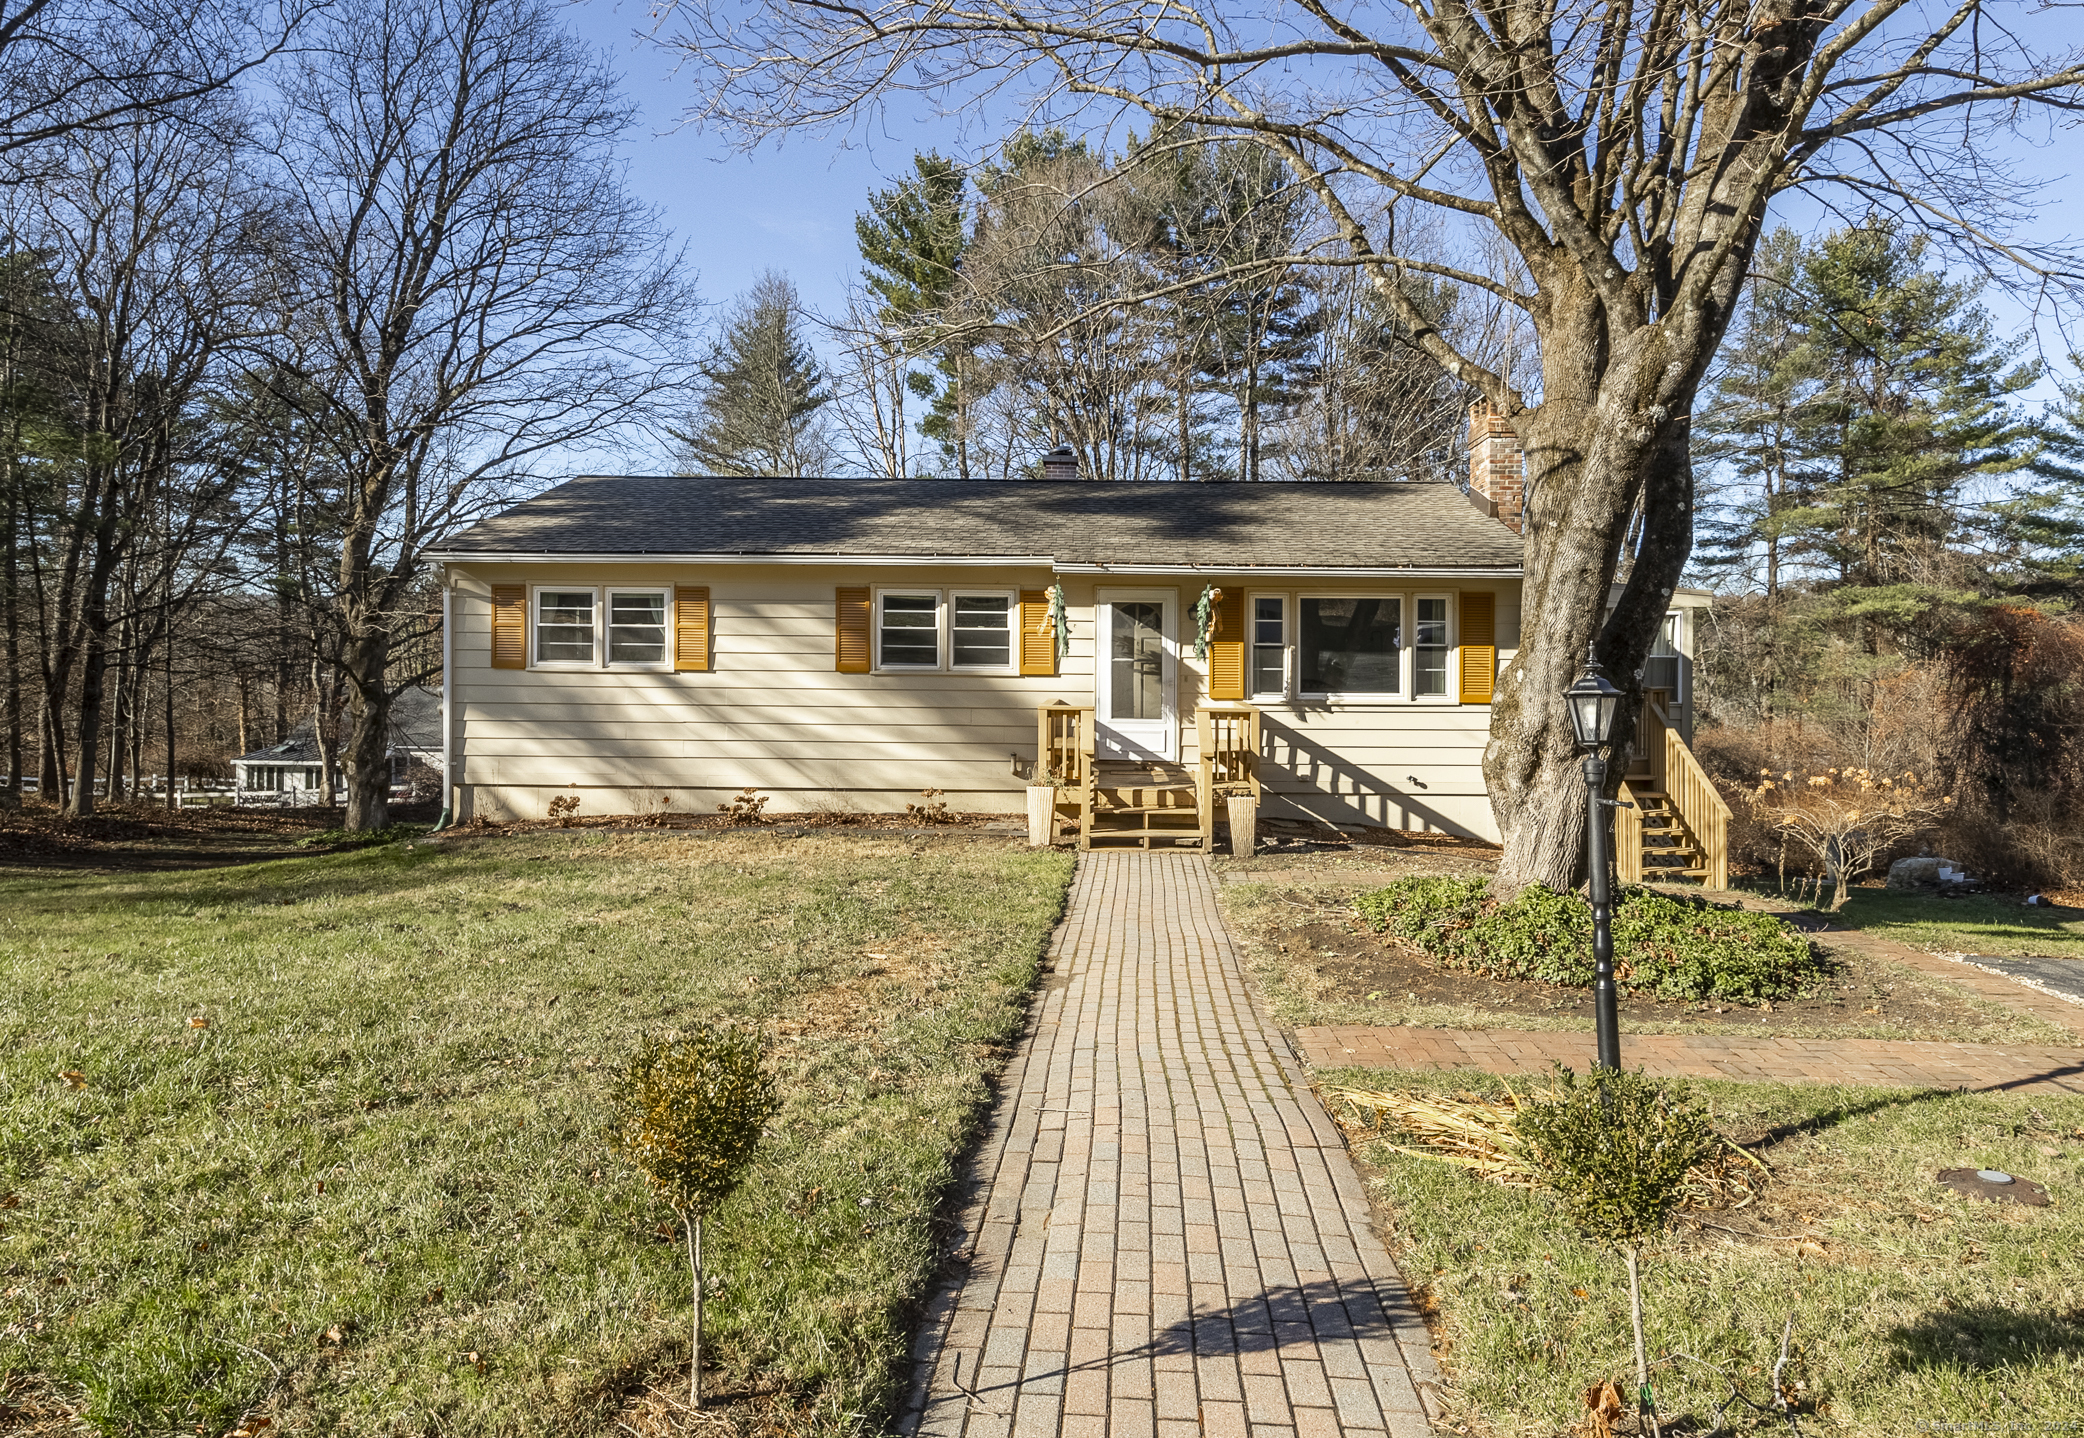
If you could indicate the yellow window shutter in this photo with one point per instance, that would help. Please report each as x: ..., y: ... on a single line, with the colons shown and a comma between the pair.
x: 509, y: 626
x: 691, y: 628
x: 1479, y: 646
x: 850, y: 631
x: 1226, y: 648
x: 1037, y: 634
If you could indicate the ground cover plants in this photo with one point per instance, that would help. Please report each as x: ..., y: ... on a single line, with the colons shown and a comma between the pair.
x: 1914, y: 1308
x: 1672, y: 946
x: 323, y: 1140
x: 1317, y: 963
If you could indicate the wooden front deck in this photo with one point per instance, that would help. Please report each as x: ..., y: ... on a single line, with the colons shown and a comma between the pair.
x: 1154, y: 805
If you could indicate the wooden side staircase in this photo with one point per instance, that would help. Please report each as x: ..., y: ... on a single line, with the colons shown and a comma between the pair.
x: 1679, y: 826
x: 1146, y: 805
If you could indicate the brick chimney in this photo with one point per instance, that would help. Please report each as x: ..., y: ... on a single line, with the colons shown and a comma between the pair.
x: 1497, y: 473
x: 1060, y: 463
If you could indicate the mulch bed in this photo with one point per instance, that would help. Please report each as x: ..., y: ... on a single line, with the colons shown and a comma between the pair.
x: 1361, y: 967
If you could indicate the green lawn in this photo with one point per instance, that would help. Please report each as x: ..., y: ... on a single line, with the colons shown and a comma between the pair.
x: 320, y: 1139
x: 1972, y: 924
x: 1912, y: 1306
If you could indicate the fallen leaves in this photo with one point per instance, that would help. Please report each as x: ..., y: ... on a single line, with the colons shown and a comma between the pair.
x: 198, y: 1022
x: 1603, y: 1408
x: 74, y: 1078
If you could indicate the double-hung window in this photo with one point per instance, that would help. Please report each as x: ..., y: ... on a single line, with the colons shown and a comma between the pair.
x: 637, y: 628
x: 980, y: 631
x: 1350, y: 645
x: 564, y: 627
x: 1429, y: 653
x: 908, y: 630
x: 1269, y: 644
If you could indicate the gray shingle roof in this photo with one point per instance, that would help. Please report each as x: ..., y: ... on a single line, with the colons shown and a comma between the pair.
x: 1228, y: 526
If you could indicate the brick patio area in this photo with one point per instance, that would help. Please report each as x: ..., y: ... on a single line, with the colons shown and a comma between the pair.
x: 1165, y: 1235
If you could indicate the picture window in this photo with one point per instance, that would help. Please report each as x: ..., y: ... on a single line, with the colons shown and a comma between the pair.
x: 1351, y: 645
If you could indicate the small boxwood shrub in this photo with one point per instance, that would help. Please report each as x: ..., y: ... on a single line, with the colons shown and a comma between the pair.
x: 1670, y: 946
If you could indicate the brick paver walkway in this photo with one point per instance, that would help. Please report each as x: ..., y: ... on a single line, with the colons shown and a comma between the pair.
x: 1166, y: 1235
x: 1859, y: 1061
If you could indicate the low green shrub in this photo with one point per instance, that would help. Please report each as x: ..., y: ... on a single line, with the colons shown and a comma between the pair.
x: 1670, y: 946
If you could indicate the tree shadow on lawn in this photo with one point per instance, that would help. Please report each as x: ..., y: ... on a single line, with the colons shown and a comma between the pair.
x: 1985, y: 1336
x: 1763, y: 1141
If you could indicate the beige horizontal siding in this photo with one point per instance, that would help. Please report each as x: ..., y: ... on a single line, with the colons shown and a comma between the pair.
x: 773, y: 713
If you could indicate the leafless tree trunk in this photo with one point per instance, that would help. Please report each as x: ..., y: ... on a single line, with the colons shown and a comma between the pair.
x: 1626, y: 153
x: 143, y: 229
x: 480, y: 289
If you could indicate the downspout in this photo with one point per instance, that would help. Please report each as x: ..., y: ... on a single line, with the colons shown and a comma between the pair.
x: 448, y: 787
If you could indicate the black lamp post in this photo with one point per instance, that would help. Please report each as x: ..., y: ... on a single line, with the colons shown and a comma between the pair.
x: 1593, y: 703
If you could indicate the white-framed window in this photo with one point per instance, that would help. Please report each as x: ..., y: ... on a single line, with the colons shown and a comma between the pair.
x: 970, y: 631
x: 981, y: 629
x: 565, y: 632
x: 1350, y: 645
x: 1269, y: 645
x: 639, y: 631
x: 908, y: 629
x: 1431, y: 643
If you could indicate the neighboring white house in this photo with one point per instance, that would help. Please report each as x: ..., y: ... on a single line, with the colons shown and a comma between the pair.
x: 292, y: 773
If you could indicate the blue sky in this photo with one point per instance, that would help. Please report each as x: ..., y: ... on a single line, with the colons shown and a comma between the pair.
x: 791, y: 206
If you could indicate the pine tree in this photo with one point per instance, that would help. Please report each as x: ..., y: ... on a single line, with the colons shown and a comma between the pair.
x: 1266, y: 328
x: 914, y: 237
x: 758, y: 409
x: 1919, y: 400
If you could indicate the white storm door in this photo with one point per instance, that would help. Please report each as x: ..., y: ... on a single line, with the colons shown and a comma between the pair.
x: 1136, y: 678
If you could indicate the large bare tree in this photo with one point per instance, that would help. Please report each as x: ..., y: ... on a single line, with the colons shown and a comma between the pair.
x: 1625, y: 151
x: 144, y: 231
x: 99, y: 65
x: 468, y: 287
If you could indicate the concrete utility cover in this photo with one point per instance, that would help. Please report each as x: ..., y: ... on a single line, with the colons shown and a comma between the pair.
x: 1995, y: 1185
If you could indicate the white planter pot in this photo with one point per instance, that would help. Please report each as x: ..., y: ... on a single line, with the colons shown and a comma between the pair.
x: 1041, y: 815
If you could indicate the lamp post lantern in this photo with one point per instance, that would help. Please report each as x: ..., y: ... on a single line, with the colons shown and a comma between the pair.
x: 1593, y: 703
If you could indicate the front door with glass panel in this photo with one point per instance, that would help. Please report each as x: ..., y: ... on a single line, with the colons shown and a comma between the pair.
x: 1137, y: 682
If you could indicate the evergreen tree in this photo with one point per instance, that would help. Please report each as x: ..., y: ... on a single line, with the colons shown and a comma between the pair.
x: 914, y: 237
x: 758, y: 408
x: 1266, y: 328
x: 1919, y: 400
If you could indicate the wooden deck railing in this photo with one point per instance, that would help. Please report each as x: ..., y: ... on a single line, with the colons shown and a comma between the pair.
x: 1228, y: 741
x: 1699, y: 806
x: 1227, y: 744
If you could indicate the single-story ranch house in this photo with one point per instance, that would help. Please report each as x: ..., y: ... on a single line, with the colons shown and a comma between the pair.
x: 639, y: 641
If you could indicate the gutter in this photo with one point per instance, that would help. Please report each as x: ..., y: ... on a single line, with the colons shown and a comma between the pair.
x: 1037, y: 561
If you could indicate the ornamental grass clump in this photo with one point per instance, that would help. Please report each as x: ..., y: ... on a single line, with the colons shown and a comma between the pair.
x: 1676, y: 947
x: 688, y: 1114
x: 1617, y: 1148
